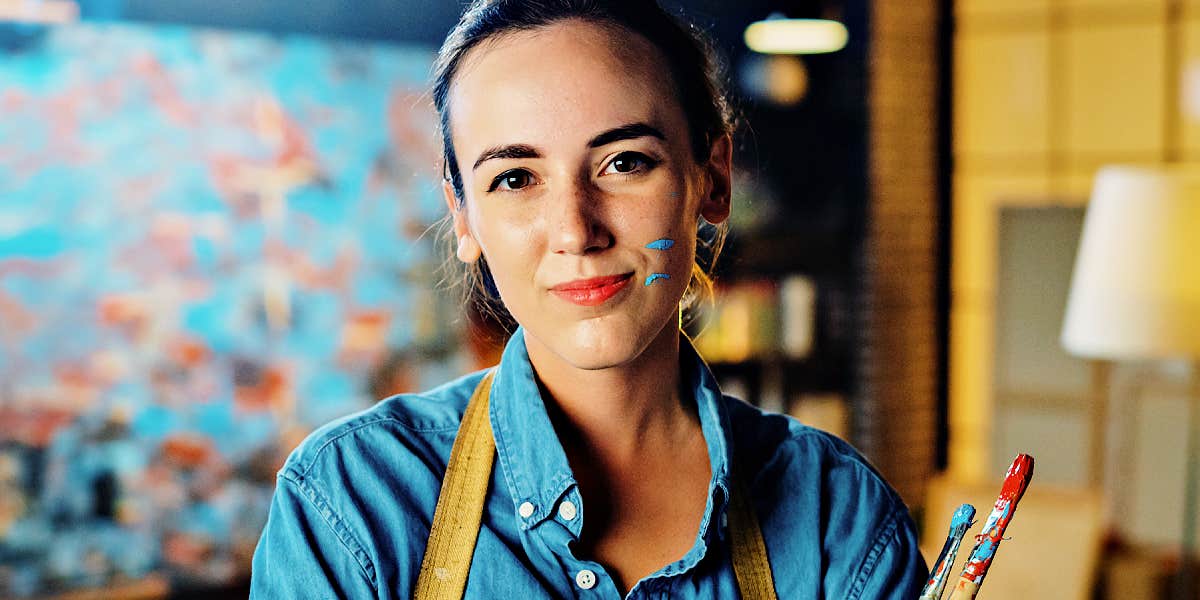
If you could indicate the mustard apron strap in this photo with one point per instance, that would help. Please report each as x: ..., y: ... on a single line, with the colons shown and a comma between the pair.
x: 750, y: 564
x: 459, y: 508
x: 459, y: 511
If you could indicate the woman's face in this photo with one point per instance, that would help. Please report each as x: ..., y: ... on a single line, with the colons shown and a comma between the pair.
x: 575, y: 159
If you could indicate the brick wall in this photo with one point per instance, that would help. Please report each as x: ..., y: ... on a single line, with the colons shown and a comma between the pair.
x: 896, y: 422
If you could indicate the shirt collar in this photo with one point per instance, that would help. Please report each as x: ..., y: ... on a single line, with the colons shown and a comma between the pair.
x: 531, y: 457
x: 535, y: 465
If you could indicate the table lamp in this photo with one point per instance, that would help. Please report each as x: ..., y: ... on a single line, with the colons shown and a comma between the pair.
x: 1135, y: 290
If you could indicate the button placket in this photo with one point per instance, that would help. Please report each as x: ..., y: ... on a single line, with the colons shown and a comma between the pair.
x: 567, y: 510
x: 526, y: 510
x: 585, y: 579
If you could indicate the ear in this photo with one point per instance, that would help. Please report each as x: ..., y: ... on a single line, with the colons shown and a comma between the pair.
x: 714, y: 206
x: 468, y: 249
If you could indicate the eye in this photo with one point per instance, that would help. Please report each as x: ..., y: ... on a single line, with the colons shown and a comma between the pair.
x: 511, y: 180
x: 629, y: 162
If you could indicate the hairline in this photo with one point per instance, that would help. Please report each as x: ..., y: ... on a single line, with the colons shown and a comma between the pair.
x: 611, y: 25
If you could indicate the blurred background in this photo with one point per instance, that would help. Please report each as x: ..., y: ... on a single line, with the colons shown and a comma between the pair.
x: 218, y: 231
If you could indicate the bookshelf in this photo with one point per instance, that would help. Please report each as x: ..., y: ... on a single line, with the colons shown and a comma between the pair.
x: 780, y: 331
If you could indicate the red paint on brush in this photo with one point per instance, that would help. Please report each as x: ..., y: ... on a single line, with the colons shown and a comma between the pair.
x: 1016, y: 481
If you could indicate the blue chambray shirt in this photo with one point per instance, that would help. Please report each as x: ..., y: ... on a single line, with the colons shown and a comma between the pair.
x: 354, y: 502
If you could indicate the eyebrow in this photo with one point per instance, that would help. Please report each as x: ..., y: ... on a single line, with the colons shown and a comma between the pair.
x: 510, y: 151
x: 624, y: 132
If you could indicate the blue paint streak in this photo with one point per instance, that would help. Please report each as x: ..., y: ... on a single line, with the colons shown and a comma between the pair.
x: 663, y: 244
x: 963, y: 516
x: 654, y: 276
x: 42, y: 242
x: 940, y: 574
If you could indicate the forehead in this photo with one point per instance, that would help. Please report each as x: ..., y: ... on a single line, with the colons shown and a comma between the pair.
x: 562, y: 82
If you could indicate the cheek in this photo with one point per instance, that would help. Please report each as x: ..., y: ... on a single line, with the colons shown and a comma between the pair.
x: 509, y: 255
x: 510, y: 248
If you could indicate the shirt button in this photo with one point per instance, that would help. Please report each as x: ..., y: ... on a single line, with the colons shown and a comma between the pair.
x: 525, y: 510
x: 566, y: 510
x: 585, y: 579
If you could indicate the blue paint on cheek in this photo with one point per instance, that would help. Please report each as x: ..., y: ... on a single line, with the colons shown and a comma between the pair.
x: 655, y: 276
x: 662, y: 244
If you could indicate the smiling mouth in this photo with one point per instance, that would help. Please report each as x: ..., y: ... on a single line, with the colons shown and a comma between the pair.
x: 592, y: 292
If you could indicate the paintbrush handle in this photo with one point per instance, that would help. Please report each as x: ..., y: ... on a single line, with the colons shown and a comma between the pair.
x: 964, y: 590
x: 939, y: 576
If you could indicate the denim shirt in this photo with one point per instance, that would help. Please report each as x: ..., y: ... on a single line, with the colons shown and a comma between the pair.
x: 352, y: 511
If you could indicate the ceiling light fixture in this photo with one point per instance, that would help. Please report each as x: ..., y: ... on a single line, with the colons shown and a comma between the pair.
x: 778, y: 34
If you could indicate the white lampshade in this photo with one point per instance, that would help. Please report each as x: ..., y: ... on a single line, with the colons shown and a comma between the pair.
x: 1135, y: 292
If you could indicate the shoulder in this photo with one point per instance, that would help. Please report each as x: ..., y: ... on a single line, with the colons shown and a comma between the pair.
x: 362, y: 489
x: 401, y: 425
x: 839, y: 521
x: 773, y: 445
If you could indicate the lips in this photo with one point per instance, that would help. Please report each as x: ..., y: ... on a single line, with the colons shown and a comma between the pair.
x: 593, y: 291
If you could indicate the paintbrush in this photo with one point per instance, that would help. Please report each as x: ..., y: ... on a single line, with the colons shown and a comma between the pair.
x: 962, y: 520
x: 1016, y: 481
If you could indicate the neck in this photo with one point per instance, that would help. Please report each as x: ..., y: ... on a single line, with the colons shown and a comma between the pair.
x: 640, y: 405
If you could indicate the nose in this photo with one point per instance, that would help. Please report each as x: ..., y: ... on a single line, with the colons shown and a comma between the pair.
x: 577, y: 224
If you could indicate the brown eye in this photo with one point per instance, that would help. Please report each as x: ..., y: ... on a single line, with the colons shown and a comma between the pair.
x: 625, y: 165
x: 629, y: 162
x: 511, y: 180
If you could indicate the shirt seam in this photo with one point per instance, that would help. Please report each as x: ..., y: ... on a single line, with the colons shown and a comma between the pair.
x: 310, y: 459
x: 886, y: 535
x: 864, y: 469
x: 827, y: 440
x: 337, y: 526
x: 500, y: 433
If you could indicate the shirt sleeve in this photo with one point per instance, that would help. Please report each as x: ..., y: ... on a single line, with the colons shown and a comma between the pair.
x: 894, y: 568
x: 306, y: 552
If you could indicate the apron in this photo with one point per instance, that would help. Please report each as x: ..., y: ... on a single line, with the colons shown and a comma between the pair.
x: 456, y: 518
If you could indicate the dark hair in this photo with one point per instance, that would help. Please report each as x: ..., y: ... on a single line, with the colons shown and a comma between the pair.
x: 691, y: 60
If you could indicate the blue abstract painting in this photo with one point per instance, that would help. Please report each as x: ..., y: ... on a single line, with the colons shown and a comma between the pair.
x: 210, y: 243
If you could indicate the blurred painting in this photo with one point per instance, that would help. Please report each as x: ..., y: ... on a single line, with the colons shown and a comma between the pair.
x: 211, y: 242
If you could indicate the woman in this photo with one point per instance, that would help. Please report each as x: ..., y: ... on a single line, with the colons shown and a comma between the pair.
x: 584, y: 140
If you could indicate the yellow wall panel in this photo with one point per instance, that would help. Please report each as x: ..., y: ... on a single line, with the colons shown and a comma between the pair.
x: 977, y: 201
x: 1046, y: 92
x: 971, y: 402
x: 1087, y: 8
x: 1072, y: 187
x: 970, y: 10
x: 1189, y: 82
x: 1114, y: 88
x: 1001, y: 97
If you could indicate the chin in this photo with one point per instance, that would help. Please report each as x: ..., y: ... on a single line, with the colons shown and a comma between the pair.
x: 600, y: 343
x: 594, y: 346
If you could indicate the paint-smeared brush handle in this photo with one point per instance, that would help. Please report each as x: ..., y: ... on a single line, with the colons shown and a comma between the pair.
x: 959, y: 524
x: 964, y: 589
x: 1016, y: 481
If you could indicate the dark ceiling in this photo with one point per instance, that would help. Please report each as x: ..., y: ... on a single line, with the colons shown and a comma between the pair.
x: 413, y: 21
